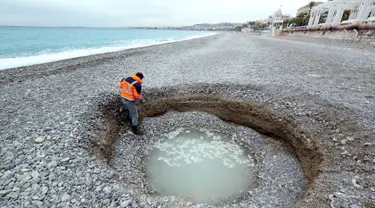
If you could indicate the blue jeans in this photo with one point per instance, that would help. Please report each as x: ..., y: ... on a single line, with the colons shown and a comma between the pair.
x: 132, y: 108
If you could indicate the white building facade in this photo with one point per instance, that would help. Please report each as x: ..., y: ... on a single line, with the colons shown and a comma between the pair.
x: 332, y: 12
x: 277, y: 19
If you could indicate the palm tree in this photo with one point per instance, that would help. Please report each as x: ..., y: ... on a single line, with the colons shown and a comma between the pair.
x: 311, y: 5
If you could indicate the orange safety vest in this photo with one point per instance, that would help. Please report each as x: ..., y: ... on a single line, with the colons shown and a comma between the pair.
x: 131, y: 88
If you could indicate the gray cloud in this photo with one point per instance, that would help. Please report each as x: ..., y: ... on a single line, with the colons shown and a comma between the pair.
x: 119, y: 13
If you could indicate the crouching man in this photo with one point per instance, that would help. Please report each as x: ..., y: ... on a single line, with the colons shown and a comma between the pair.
x: 131, y: 91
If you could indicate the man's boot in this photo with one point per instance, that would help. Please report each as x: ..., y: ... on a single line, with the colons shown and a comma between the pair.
x: 137, y: 131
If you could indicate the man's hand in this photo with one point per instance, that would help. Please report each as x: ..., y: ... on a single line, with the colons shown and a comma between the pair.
x: 142, y: 101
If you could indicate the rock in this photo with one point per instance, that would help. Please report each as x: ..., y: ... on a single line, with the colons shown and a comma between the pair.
x: 38, y: 203
x: 25, y: 193
x: 13, y: 195
x: 334, y: 139
x: 339, y: 195
x: 26, y: 204
x: 350, y: 138
x: 26, y: 185
x: 65, y: 159
x: 35, y: 174
x: 18, y: 161
x: 125, y: 203
x: 52, y: 164
x: 65, y: 197
x: 367, y: 144
x: 354, y: 182
x: 35, y: 181
x: 106, y: 201
x: 44, y: 174
x: 345, y: 153
x: 4, y: 192
x: 44, y: 190
x: 343, y: 141
x: 9, y: 166
x: 39, y: 140
x: 107, y: 190
x: 354, y: 206
x: 26, y: 179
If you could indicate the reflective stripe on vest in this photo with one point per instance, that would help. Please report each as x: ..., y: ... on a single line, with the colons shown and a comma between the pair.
x: 129, y: 90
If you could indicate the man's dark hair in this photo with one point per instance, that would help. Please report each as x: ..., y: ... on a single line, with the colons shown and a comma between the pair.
x: 139, y: 74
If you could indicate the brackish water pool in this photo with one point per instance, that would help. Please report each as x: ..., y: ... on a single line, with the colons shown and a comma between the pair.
x: 202, y: 165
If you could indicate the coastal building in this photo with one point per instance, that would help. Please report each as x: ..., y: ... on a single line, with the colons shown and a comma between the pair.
x: 336, y: 11
x: 277, y: 19
x: 306, y: 9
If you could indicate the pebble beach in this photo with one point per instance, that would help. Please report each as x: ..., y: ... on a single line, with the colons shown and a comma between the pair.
x: 63, y: 143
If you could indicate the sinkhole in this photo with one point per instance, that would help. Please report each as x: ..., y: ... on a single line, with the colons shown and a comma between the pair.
x: 207, y: 167
x: 251, y: 155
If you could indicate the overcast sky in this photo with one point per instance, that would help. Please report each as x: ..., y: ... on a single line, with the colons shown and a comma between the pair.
x: 121, y: 13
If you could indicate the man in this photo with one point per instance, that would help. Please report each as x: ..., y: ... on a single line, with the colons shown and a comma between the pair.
x: 131, y: 91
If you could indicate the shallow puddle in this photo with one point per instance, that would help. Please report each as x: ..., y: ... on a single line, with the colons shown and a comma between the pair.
x: 201, y: 165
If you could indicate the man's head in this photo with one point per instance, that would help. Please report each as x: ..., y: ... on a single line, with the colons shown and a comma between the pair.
x: 139, y: 74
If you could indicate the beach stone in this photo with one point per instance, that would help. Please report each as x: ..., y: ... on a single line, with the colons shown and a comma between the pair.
x: 52, y: 164
x: 355, y: 206
x: 4, y: 192
x: 65, y: 159
x: 44, y: 190
x: 350, y: 138
x: 354, y: 182
x: 13, y: 195
x: 106, y: 201
x: 39, y: 140
x: 125, y: 203
x: 37, y: 203
x: 65, y: 197
x: 35, y: 174
x: 107, y: 190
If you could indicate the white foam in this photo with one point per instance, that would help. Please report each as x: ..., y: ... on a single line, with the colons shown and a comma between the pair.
x: 6, y: 63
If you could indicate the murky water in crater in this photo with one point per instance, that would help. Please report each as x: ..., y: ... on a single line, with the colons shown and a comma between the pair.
x: 202, y: 165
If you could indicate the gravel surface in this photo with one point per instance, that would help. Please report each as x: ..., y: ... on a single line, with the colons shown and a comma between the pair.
x: 47, y: 111
x: 279, y: 179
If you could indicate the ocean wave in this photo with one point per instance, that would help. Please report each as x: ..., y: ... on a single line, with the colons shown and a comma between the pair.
x: 50, y: 56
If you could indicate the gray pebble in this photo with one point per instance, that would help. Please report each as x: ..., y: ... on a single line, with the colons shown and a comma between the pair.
x: 35, y: 174
x: 106, y: 201
x: 125, y: 203
x: 65, y: 197
x: 44, y: 190
x: 4, y: 192
x: 52, y: 164
x: 13, y: 195
x: 107, y: 190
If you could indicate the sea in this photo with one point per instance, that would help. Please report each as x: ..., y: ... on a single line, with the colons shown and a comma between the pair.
x: 23, y: 46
